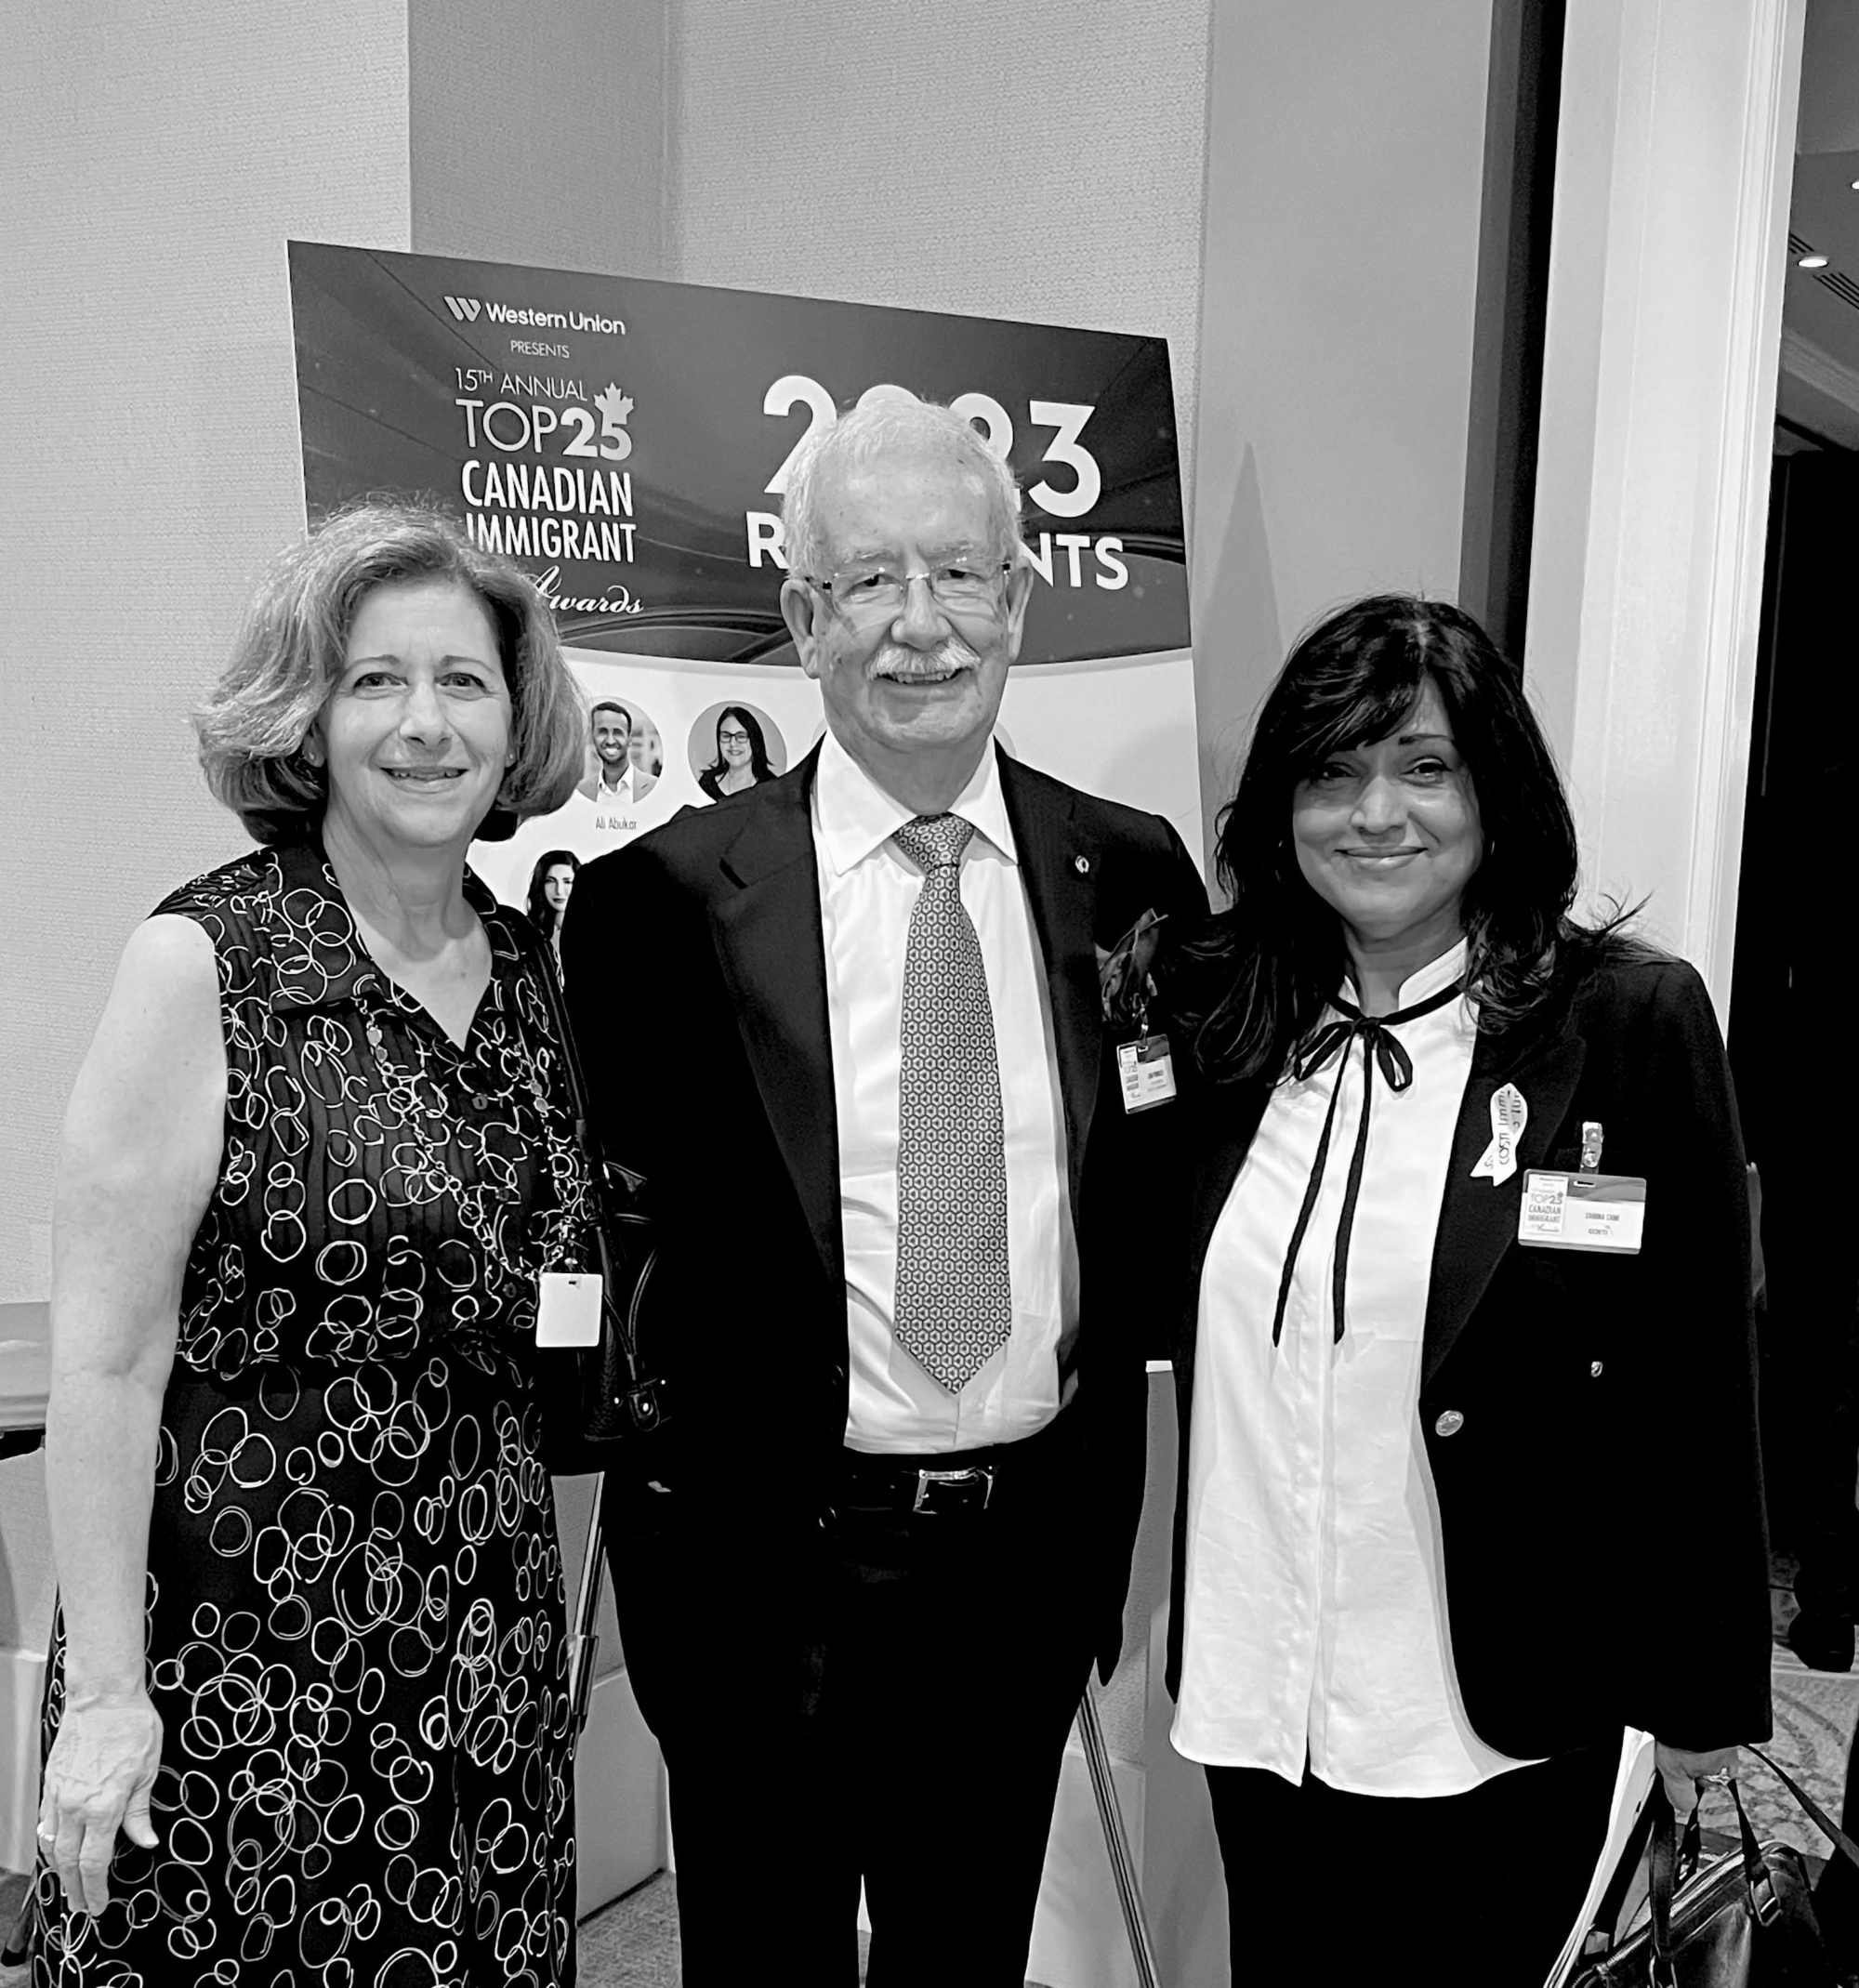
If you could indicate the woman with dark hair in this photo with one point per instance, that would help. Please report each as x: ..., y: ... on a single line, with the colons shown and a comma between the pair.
x: 310, y: 1651
x: 1469, y: 1313
x: 742, y: 755
x: 550, y: 883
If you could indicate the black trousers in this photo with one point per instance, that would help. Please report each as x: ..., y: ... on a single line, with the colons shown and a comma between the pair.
x: 1479, y: 1888
x: 891, y: 1709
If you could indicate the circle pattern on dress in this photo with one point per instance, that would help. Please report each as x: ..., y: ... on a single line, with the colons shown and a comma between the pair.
x: 356, y: 1626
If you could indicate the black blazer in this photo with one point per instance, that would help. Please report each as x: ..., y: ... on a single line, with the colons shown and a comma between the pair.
x: 695, y: 976
x: 1601, y: 1500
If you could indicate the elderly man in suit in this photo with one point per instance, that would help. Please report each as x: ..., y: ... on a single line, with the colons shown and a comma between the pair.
x: 908, y: 1230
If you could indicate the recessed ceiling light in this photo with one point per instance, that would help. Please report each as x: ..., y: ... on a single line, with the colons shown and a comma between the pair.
x: 1855, y: 186
x: 1812, y: 262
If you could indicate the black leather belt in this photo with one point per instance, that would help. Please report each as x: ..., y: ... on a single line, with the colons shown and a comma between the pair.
x: 953, y: 1480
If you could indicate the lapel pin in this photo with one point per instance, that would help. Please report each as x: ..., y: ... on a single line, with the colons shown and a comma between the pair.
x: 1509, y: 1114
x: 1081, y: 863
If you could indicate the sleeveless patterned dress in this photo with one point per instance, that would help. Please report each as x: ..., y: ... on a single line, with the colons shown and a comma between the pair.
x: 356, y: 1631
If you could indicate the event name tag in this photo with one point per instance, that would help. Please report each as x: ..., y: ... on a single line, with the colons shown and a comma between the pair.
x: 1147, y: 1072
x: 1582, y: 1211
x: 568, y: 1308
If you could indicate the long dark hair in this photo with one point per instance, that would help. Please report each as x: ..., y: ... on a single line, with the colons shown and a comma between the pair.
x: 758, y: 764
x: 542, y: 913
x: 1255, y: 983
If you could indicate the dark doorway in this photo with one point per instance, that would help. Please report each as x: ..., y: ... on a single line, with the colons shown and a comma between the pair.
x: 1789, y: 997
x: 1523, y: 102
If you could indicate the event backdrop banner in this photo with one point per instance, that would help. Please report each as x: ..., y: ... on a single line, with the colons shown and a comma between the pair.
x: 628, y: 442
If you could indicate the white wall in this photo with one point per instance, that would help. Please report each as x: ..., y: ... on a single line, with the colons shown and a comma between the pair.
x: 539, y: 133
x: 155, y: 161
x: 1040, y: 161
x: 1344, y: 175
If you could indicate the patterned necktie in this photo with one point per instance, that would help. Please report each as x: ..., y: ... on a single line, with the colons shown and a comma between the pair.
x: 953, y: 1306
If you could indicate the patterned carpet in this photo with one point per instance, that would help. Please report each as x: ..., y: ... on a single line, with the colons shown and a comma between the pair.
x: 1816, y: 1713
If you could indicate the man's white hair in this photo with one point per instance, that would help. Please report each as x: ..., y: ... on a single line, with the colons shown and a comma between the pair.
x: 865, y: 434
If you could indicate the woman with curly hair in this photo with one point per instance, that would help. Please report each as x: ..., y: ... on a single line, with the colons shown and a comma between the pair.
x: 310, y: 1657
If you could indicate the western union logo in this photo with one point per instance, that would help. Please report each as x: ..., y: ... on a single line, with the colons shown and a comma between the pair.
x: 467, y: 308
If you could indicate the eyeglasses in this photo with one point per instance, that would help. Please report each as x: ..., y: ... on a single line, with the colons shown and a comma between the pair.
x: 869, y: 590
x: 733, y: 738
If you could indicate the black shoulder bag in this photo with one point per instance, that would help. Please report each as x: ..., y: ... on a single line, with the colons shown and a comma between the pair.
x: 1745, y: 1921
x: 600, y: 1404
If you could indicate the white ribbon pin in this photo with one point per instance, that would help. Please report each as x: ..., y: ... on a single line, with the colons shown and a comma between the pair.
x: 1509, y: 1114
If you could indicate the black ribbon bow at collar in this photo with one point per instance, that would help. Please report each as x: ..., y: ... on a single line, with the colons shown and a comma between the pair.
x: 1381, y: 1048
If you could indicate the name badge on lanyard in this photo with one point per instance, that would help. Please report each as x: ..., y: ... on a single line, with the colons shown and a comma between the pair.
x: 1583, y: 1211
x: 1146, y: 1070
x: 568, y: 1308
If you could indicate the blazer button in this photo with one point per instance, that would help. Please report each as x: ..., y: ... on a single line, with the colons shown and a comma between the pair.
x: 1449, y: 1423
x: 1594, y: 1370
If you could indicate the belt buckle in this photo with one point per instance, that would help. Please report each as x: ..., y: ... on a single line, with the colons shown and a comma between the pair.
x: 954, y: 1491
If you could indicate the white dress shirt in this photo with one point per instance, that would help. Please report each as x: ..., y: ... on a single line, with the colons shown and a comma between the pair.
x: 620, y: 793
x: 867, y: 890
x: 1315, y: 1584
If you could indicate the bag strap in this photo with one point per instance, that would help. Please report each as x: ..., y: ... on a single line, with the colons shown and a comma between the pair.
x: 1672, y: 1860
x: 1666, y: 1877
x: 645, y: 1397
x: 1816, y: 1813
x: 542, y: 965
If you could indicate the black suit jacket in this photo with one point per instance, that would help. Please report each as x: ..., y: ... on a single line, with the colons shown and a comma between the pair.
x: 1601, y: 1502
x: 695, y: 975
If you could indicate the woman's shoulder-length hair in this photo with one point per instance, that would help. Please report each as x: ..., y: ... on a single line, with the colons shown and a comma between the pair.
x: 1256, y: 984
x: 288, y: 654
x: 759, y: 764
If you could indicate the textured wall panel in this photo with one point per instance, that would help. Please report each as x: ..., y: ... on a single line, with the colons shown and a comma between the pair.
x: 1344, y: 190
x: 539, y: 133
x: 1041, y: 161
x: 155, y: 160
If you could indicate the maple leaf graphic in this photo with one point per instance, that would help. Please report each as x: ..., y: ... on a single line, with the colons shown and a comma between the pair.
x: 613, y: 404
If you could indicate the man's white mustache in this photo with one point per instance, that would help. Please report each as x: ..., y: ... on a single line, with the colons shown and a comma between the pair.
x: 895, y: 660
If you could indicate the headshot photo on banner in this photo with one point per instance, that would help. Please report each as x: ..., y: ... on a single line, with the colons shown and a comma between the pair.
x: 628, y: 443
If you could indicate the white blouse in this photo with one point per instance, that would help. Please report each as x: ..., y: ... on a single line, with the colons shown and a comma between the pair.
x: 1315, y: 1585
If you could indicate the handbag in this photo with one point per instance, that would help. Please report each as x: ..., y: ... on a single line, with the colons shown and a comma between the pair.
x: 1743, y: 1920
x: 600, y: 1406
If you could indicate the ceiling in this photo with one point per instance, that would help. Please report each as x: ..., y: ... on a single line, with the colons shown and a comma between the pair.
x: 1819, y: 385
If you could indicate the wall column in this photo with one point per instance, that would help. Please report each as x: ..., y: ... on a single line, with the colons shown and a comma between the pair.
x: 1672, y: 181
